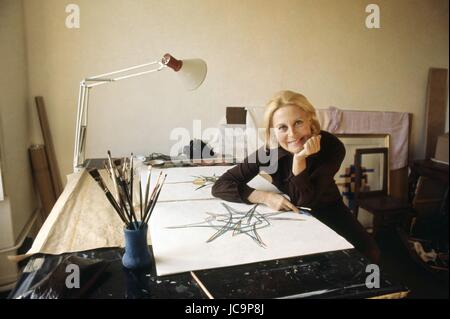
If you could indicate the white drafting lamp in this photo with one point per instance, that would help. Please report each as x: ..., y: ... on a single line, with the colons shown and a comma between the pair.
x: 191, y: 72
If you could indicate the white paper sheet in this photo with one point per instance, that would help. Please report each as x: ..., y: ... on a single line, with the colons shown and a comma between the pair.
x: 261, y: 237
x: 184, y: 174
x: 184, y: 183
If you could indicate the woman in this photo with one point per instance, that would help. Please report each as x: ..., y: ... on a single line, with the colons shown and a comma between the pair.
x: 307, y: 160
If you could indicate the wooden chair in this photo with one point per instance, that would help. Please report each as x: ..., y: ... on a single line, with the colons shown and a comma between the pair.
x: 386, y: 210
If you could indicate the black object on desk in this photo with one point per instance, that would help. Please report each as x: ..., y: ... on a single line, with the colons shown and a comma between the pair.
x: 338, y: 274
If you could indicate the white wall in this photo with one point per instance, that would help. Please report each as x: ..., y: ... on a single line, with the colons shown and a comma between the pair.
x: 253, y: 48
x: 14, y: 122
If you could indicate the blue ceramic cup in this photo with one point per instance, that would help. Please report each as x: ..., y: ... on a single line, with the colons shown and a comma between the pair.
x: 137, y: 253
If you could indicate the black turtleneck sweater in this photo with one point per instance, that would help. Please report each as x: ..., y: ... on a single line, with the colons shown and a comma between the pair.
x: 314, y: 187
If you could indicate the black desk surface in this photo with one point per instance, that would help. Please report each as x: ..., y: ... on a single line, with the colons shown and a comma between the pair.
x: 339, y: 274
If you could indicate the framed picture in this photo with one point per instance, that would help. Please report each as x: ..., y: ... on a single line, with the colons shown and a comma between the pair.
x: 372, y: 164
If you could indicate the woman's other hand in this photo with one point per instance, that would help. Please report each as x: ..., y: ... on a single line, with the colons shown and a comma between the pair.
x: 279, y: 203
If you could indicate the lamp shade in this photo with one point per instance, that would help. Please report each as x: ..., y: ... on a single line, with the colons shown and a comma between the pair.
x: 191, y: 72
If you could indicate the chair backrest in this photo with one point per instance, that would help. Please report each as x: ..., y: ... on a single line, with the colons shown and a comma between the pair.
x: 359, y: 172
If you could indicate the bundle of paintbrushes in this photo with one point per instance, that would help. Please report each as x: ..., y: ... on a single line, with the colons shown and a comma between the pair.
x: 121, y: 198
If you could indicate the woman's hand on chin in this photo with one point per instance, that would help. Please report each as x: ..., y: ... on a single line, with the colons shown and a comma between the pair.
x: 312, y: 146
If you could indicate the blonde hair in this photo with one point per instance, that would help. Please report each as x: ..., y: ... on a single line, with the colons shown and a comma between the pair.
x: 284, y: 98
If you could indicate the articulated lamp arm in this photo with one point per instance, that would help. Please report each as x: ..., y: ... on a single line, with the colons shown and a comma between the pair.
x: 193, y: 76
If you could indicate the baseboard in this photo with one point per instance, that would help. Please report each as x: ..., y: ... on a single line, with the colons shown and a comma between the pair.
x: 9, y: 270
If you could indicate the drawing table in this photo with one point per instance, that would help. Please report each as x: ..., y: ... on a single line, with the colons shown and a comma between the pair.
x: 336, y: 274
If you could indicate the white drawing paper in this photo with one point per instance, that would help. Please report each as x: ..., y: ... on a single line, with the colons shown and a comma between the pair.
x: 196, y: 235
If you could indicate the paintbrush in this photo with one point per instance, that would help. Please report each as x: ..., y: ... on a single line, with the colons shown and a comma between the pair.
x: 147, y: 187
x: 124, y: 165
x: 123, y: 192
x: 124, y: 186
x: 153, y: 193
x: 140, y: 197
x: 96, y: 175
x: 131, y: 180
x: 304, y: 210
x: 151, y: 200
x: 149, y: 213
x: 123, y: 204
x: 113, y: 176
